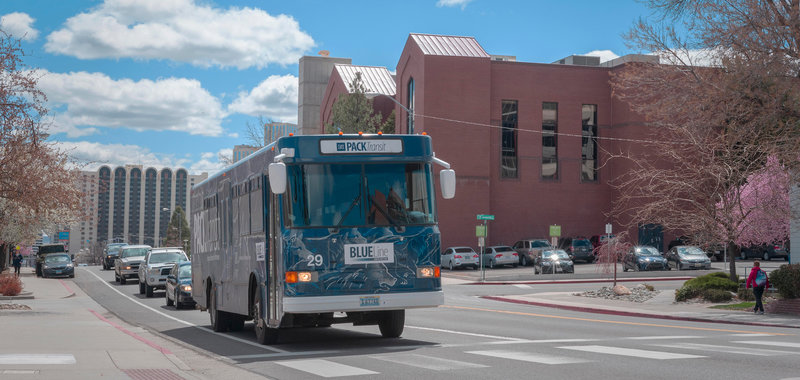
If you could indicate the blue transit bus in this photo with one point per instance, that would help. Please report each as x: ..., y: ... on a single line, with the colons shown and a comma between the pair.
x: 316, y: 230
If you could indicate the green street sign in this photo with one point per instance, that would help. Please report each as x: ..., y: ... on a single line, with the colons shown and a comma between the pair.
x: 485, y: 217
x: 555, y: 230
x: 480, y: 231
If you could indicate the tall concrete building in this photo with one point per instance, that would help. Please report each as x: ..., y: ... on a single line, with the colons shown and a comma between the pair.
x: 313, y: 79
x: 130, y: 204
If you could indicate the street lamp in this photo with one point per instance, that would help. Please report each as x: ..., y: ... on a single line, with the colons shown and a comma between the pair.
x: 372, y: 95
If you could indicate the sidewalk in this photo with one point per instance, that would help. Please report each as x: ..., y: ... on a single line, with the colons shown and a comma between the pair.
x: 662, y: 306
x: 67, y: 335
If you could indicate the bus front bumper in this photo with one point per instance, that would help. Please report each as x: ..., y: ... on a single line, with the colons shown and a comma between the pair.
x: 363, y: 302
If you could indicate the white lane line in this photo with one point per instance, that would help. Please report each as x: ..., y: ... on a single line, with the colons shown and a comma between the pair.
x: 529, y: 357
x: 427, y: 362
x: 744, y: 350
x: 754, y: 335
x: 465, y: 333
x: 631, y: 352
x: 325, y: 368
x: 206, y: 329
x: 769, y: 343
x: 657, y: 337
x: 281, y: 355
x: 523, y: 286
x: 36, y: 359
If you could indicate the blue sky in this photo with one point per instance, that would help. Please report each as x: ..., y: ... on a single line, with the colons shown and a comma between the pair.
x: 173, y: 83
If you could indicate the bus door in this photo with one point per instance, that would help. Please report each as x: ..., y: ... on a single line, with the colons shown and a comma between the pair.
x: 273, y: 232
x: 226, y: 259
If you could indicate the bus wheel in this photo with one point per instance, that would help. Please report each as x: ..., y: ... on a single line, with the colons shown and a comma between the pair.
x: 391, y: 323
x: 264, y: 334
x: 236, y: 324
x: 219, y: 322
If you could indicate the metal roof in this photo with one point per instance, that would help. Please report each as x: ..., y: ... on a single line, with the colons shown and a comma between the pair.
x: 454, y: 46
x: 375, y: 79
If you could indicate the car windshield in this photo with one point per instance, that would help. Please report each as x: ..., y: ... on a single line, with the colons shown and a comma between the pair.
x: 690, y: 251
x: 556, y: 254
x: 166, y: 257
x: 581, y: 243
x: 133, y: 252
x: 185, y: 271
x: 647, y: 251
x: 55, y: 248
x: 347, y: 195
x: 57, y: 259
x: 539, y: 244
x: 503, y: 248
x: 464, y: 250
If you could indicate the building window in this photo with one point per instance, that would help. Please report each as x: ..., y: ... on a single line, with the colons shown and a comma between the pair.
x: 589, y: 143
x: 410, y: 106
x: 508, y: 149
x: 549, y: 140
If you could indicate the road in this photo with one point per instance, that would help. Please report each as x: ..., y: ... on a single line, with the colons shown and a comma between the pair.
x: 475, y: 338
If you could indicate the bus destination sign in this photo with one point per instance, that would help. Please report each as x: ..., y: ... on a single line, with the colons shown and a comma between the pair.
x: 360, y: 146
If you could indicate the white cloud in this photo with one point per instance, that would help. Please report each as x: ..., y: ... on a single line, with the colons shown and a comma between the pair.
x: 94, y: 155
x: 183, y: 31
x: 605, y: 55
x: 275, y: 98
x: 82, y: 100
x: 453, y: 3
x: 19, y: 25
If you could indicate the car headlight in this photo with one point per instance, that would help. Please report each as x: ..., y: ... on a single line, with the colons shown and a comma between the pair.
x: 154, y: 270
x: 70, y: 265
x: 108, y: 257
x: 186, y: 288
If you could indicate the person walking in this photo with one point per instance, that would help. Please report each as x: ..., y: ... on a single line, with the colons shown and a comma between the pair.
x: 16, y: 261
x: 759, y: 281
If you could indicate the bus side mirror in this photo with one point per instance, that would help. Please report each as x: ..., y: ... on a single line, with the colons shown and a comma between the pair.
x: 447, y: 181
x: 277, y: 177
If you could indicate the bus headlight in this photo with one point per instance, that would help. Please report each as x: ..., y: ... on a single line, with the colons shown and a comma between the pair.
x: 428, y: 272
x: 295, y: 277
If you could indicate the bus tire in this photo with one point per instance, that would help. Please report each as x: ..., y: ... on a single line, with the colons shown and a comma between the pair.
x: 264, y: 334
x: 391, y: 323
x: 219, y: 320
x: 235, y: 323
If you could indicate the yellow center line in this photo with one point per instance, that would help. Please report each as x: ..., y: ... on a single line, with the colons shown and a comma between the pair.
x: 606, y: 321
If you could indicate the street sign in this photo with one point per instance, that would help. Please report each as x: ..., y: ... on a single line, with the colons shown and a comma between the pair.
x: 485, y: 217
x: 555, y: 230
x: 480, y: 230
x: 608, y: 228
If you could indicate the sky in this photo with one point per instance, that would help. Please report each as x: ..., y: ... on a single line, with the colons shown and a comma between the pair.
x: 174, y: 83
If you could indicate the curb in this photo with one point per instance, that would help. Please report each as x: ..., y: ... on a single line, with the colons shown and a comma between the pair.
x: 21, y: 296
x: 587, y: 281
x: 586, y: 309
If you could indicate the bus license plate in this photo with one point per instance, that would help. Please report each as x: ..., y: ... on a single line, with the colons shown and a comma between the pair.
x: 371, y: 301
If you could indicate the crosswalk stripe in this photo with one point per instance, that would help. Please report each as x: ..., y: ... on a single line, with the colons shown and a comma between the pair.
x: 729, y: 349
x: 428, y: 362
x: 529, y: 357
x: 631, y: 352
x: 325, y: 368
x: 663, y: 337
x: 769, y: 343
x: 523, y: 286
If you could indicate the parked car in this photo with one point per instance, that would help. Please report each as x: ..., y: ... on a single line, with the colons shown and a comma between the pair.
x: 765, y: 252
x: 598, y: 240
x: 57, y: 265
x: 110, y: 254
x: 578, y: 248
x: 156, y: 266
x: 500, y: 255
x: 127, y: 264
x: 179, y: 285
x: 644, y: 257
x: 460, y: 257
x: 553, y: 261
x: 528, y: 249
x: 687, y: 257
x: 44, y: 250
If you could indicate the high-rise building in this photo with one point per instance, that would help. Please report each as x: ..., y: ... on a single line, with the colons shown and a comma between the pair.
x: 130, y: 204
x: 242, y: 151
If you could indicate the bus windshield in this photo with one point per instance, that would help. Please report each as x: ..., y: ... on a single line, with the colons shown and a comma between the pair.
x: 349, y: 195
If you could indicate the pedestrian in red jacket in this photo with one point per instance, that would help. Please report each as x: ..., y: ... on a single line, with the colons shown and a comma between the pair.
x: 759, y: 281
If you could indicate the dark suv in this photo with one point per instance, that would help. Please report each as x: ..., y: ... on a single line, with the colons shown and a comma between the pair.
x: 111, y: 253
x: 578, y: 248
x: 44, y: 250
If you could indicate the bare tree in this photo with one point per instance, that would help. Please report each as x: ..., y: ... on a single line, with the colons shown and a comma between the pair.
x: 714, y: 126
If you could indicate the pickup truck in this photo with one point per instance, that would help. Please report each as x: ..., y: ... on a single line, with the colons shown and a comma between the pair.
x: 127, y: 264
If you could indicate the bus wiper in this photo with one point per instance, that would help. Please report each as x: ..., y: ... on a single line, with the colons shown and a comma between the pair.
x: 353, y: 204
x: 384, y: 213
